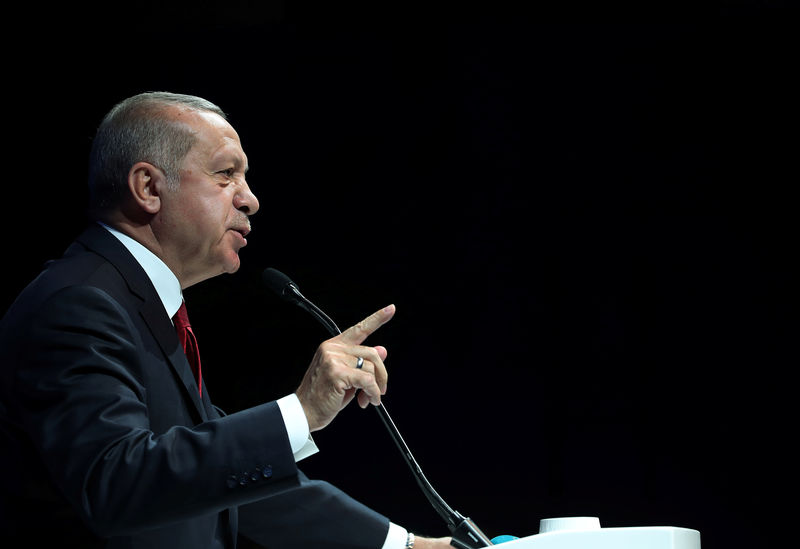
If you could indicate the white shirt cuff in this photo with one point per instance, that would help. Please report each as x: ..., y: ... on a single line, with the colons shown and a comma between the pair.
x: 297, y: 427
x: 396, y: 538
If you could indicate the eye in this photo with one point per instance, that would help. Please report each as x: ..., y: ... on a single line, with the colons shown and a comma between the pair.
x: 228, y: 173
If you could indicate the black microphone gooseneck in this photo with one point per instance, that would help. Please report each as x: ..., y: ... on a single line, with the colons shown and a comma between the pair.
x: 465, y: 534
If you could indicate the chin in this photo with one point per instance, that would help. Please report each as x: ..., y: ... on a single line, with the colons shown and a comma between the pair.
x: 232, y: 265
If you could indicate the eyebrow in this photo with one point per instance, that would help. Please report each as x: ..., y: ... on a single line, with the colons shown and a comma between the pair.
x: 234, y: 159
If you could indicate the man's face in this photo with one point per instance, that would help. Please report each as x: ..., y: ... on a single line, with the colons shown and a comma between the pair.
x: 206, y: 220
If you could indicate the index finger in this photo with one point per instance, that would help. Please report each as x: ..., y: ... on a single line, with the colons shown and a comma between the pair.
x: 358, y: 333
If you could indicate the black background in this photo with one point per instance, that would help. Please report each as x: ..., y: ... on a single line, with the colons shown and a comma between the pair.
x: 583, y: 215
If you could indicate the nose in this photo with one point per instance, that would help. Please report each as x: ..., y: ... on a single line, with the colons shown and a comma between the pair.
x: 245, y: 201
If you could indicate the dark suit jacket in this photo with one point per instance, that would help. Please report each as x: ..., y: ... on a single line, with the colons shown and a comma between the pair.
x: 106, y: 442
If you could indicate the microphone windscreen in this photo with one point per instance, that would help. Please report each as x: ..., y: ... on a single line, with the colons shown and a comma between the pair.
x: 276, y: 281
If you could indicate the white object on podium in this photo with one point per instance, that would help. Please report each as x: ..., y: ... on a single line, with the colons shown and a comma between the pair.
x: 586, y: 533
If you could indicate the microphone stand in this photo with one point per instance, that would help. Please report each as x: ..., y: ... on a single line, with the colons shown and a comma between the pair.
x: 465, y: 534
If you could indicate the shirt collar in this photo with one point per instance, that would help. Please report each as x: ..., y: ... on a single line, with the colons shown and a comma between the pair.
x: 165, y: 282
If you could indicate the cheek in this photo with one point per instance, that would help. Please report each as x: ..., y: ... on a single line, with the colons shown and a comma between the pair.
x: 205, y: 218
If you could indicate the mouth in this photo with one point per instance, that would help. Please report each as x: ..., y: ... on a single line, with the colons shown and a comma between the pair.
x: 242, y: 230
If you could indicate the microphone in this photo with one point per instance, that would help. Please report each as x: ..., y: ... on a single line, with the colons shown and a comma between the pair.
x: 465, y: 534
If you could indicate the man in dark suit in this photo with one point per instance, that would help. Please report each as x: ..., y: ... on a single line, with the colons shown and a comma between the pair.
x: 109, y: 435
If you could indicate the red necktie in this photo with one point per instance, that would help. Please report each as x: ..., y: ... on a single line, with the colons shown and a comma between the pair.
x: 189, y: 342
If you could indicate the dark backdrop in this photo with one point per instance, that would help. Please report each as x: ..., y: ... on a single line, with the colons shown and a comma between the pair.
x: 582, y: 215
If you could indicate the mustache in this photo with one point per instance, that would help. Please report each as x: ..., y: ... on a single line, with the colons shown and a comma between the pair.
x: 242, y: 224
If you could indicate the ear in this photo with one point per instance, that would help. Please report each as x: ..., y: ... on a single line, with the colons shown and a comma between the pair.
x: 146, y: 183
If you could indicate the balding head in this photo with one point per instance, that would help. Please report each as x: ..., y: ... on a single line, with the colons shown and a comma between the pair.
x: 142, y: 128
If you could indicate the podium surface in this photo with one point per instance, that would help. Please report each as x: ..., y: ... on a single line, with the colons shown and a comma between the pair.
x: 573, y: 533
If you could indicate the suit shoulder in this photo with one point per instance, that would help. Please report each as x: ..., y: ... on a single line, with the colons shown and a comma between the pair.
x: 84, y: 271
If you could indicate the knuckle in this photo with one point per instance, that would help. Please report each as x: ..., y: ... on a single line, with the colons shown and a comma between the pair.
x: 373, y: 355
x: 363, y: 327
x: 327, y: 347
x: 367, y: 380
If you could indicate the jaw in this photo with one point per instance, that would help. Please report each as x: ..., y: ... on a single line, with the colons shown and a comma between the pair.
x: 225, y: 261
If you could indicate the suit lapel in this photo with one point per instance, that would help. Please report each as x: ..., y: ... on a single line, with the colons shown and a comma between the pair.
x: 151, y: 309
x: 164, y: 332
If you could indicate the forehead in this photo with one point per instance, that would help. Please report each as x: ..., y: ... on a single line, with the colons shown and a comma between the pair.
x: 215, y: 138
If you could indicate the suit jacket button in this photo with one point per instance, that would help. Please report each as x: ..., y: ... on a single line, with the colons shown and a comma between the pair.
x: 232, y: 481
x: 266, y: 472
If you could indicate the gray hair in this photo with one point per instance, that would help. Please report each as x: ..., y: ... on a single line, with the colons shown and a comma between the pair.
x: 139, y: 129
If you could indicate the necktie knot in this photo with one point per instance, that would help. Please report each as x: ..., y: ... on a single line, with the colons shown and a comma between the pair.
x: 181, y: 318
x: 189, y: 343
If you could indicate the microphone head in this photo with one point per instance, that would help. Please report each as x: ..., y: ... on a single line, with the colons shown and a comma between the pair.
x: 280, y: 284
x: 288, y: 291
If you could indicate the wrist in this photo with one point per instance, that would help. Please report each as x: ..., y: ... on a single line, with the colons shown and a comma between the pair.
x: 432, y: 543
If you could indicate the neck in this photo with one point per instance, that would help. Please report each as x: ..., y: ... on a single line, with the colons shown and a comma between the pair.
x: 143, y: 233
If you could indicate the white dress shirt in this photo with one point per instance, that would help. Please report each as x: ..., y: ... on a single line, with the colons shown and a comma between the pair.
x: 168, y: 288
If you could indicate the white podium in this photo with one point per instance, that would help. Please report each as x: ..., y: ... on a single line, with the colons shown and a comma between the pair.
x: 586, y: 533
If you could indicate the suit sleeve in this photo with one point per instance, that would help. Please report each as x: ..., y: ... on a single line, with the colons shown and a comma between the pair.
x: 314, y: 514
x: 78, y: 393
